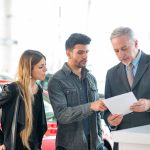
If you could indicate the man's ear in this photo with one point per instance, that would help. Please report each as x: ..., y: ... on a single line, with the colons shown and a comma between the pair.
x: 68, y: 53
x: 136, y: 43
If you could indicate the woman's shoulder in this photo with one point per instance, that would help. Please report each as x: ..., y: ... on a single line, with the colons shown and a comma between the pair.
x: 12, y: 85
x: 10, y: 88
x: 9, y: 91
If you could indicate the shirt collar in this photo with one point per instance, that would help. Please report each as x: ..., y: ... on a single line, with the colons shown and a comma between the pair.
x: 137, y: 59
x: 68, y: 71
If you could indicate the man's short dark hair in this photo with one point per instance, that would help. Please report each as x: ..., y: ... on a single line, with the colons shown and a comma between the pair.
x: 77, y: 38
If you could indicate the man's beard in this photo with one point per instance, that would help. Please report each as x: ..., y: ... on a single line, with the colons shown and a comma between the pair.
x: 81, y: 66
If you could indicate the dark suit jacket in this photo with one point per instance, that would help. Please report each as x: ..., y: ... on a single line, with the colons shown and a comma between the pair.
x: 117, y: 83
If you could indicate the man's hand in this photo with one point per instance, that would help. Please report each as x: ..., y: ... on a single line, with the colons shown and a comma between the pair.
x: 141, y: 105
x: 114, y: 120
x: 98, y: 106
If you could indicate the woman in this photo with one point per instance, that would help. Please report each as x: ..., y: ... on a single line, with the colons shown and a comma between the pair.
x: 30, y: 121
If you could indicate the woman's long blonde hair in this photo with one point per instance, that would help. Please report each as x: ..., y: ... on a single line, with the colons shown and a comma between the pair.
x: 26, y: 64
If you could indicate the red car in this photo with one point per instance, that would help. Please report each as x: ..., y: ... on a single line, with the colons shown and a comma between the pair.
x: 50, y: 135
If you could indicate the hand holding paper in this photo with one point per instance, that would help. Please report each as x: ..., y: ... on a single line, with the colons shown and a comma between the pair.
x: 120, y: 104
x: 98, y: 106
x: 141, y: 105
x: 115, y: 120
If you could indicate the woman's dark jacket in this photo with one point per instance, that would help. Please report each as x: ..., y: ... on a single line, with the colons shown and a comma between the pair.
x: 8, y: 99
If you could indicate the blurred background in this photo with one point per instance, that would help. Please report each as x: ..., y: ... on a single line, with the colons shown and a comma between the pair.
x: 44, y: 25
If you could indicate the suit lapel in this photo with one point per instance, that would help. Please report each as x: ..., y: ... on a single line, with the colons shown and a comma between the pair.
x: 142, y: 67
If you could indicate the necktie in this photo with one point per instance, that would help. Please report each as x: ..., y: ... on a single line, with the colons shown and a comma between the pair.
x: 130, y: 75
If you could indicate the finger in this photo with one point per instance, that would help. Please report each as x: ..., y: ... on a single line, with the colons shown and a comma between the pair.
x: 102, y: 108
x: 114, y: 116
x: 137, y: 103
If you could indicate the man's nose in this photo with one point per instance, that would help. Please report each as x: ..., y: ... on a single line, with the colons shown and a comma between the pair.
x: 84, y: 55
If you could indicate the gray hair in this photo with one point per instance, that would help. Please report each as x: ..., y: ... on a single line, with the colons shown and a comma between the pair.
x: 120, y: 31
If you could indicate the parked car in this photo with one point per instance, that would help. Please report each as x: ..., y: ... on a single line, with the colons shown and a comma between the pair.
x: 3, y: 82
x: 5, y: 76
x: 48, y: 142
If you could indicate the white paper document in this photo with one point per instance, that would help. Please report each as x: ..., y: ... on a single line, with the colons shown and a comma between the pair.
x: 120, y: 104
